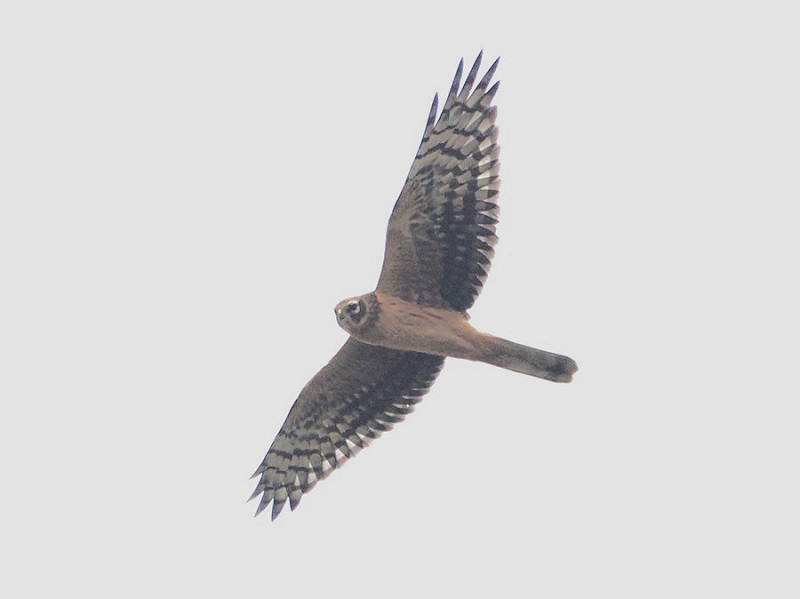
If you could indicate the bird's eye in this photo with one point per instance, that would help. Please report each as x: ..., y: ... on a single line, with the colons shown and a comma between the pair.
x: 353, y: 307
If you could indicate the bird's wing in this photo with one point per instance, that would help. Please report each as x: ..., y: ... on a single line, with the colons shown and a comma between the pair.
x: 362, y: 392
x: 441, y: 233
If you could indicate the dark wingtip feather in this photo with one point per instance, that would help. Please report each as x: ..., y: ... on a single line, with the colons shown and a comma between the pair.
x: 492, y: 91
x: 456, y: 78
x: 261, y: 507
x: 277, y: 506
x: 294, y: 498
x: 473, y: 73
x: 488, y: 75
x: 451, y: 95
x: 432, y: 113
x: 256, y: 493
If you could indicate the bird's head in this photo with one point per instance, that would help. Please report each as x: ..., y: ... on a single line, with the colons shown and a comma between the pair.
x: 356, y: 313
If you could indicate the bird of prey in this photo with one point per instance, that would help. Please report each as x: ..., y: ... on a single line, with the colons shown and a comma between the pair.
x: 439, y: 246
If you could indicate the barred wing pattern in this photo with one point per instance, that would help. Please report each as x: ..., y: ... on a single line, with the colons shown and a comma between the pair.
x: 441, y: 233
x: 362, y: 392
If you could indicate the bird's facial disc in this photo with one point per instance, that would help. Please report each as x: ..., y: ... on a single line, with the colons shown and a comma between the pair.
x: 350, y: 313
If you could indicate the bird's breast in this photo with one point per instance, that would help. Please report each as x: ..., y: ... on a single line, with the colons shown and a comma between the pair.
x: 411, y: 327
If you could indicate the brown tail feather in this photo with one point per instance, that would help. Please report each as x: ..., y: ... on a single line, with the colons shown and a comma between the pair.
x: 529, y: 360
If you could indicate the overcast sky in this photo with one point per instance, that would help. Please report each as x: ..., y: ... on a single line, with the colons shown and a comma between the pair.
x: 187, y: 190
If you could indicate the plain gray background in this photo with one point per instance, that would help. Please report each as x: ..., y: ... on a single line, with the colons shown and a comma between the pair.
x: 188, y: 188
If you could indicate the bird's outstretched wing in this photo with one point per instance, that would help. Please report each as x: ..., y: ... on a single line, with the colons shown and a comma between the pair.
x: 362, y: 392
x: 441, y: 234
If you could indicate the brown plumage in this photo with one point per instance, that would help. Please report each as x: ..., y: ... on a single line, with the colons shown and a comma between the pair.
x: 439, y: 246
x: 389, y: 321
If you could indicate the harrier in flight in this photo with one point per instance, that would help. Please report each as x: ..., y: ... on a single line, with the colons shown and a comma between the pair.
x: 439, y: 247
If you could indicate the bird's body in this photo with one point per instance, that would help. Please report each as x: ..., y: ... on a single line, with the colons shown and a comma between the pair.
x: 395, y: 323
x: 409, y: 327
x: 439, y: 246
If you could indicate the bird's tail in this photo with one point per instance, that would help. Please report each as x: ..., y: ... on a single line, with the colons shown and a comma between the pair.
x: 528, y: 360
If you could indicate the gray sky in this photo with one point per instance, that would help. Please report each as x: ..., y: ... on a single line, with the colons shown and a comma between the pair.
x: 189, y: 188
